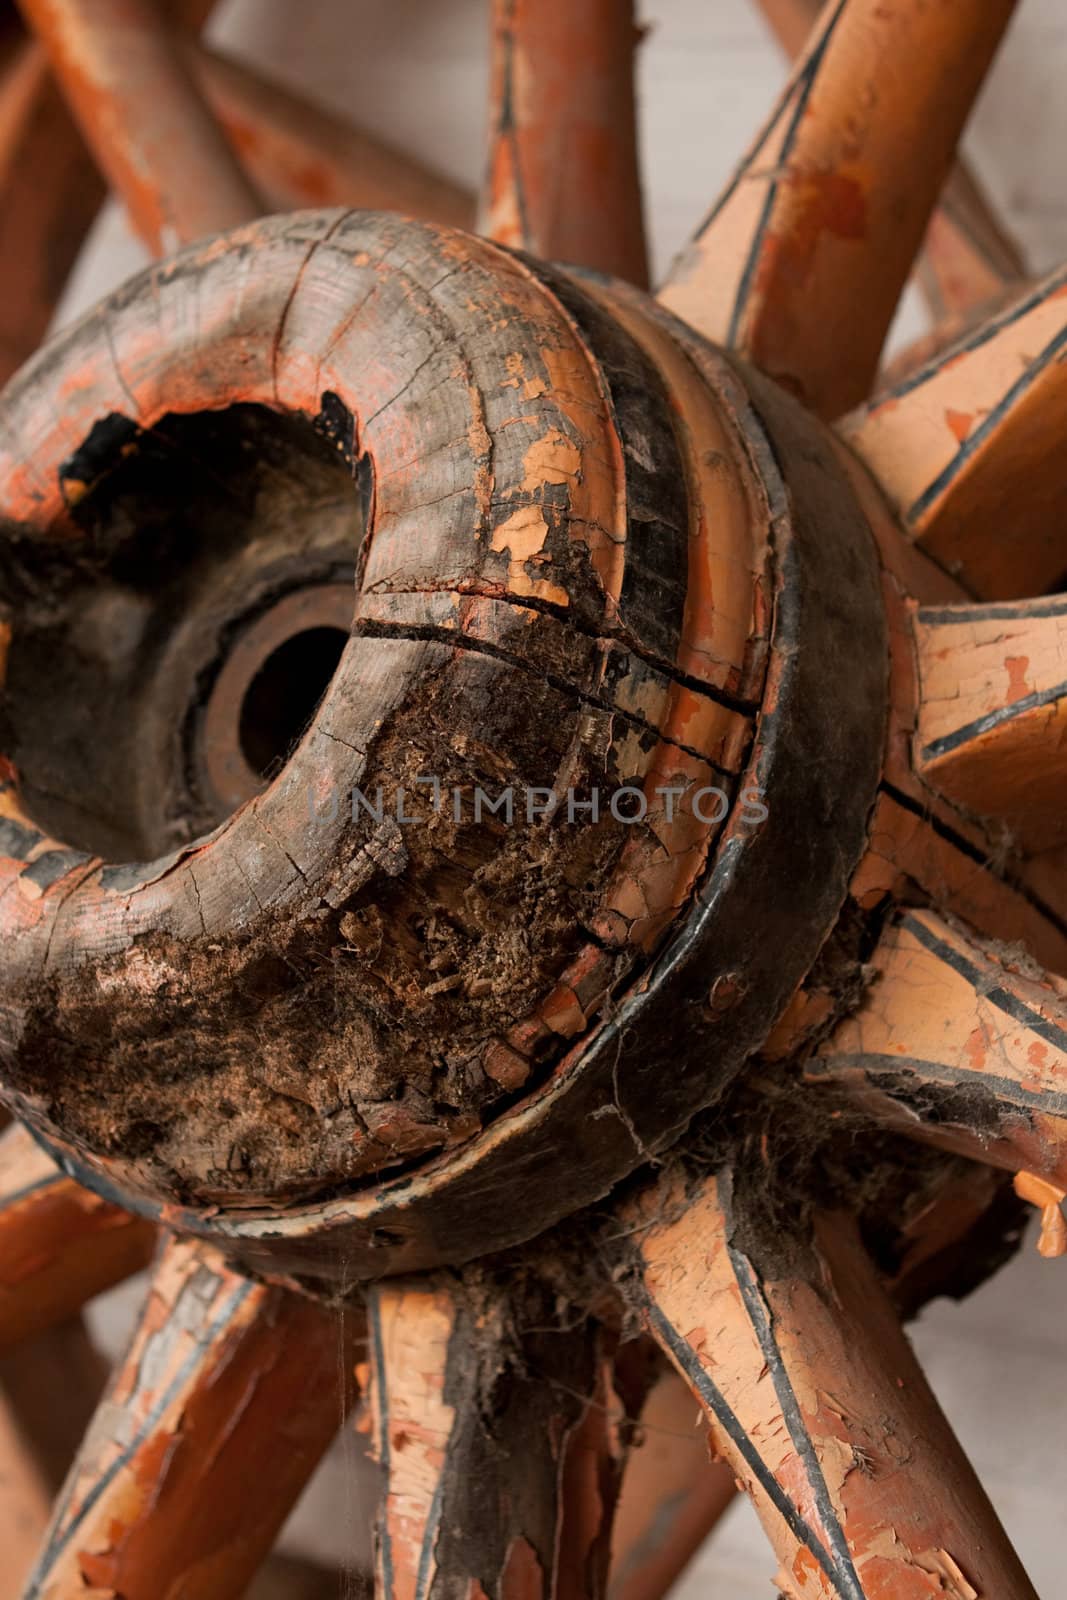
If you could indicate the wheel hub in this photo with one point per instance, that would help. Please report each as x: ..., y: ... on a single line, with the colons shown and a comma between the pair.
x: 386, y: 999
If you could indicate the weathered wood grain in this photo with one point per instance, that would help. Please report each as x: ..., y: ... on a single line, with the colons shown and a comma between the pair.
x: 802, y: 259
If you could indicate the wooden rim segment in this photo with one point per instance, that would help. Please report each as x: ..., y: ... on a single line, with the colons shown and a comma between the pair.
x: 168, y: 1494
x: 562, y: 179
x: 60, y: 1244
x: 815, y: 1397
x: 141, y: 113
x: 801, y: 262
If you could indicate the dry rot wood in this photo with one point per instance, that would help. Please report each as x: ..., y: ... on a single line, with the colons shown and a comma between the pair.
x: 307, y: 977
x: 509, y: 643
x: 501, y: 1438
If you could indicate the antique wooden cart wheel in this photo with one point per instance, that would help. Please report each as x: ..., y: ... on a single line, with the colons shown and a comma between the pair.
x: 531, y: 854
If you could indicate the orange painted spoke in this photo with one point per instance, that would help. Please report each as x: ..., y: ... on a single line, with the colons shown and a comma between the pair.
x: 49, y: 1389
x: 59, y: 1244
x: 563, y: 178
x: 948, y: 1229
x: 289, y: 1578
x: 967, y: 258
x: 673, y: 1494
x: 60, y: 1361
x: 501, y: 1446
x: 229, y: 1395
x: 135, y: 98
x: 25, y: 1503
x: 300, y: 155
x: 992, y: 725
x: 801, y: 262
x: 816, y: 1400
x: 49, y: 194
x: 960, y: 1045
x: 968, y: 449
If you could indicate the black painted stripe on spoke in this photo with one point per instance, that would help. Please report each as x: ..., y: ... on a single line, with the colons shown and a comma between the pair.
x: 1002, y: 998
x: 716, y: 1402
x: 993, y: 719
x: 844, y: 1574
x: 804, y: 85
x: 385, y: 1542
x: 64, y: 1532
x: 429, y: 1539
x: 1002, y: 611
x: 966, y: 848
x: 972, y: 341
x: 877, y: 1065
x: 988, y: 426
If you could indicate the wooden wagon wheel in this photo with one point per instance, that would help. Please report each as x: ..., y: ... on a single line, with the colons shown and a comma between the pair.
x: 531, y: 853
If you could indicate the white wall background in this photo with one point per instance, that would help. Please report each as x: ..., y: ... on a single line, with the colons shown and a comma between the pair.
x: 415, y: 71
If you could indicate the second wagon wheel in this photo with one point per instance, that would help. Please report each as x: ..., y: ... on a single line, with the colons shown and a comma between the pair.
x: 531, y: 843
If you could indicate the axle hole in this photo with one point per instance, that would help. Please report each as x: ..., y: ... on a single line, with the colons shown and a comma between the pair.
x: 283, y: 696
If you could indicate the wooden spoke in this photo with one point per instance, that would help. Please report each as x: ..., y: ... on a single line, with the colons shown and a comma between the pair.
x: 500, y: 1439
x: 801, y: 262
x: 59, y: 1244
x: 944, y: 1236
x: 60, y: 1361
x: 25, y: 1502
x: 289, y: 1578
x: 968, y: 449
x: 959, y: 1044
x: 49, y: 1388
x: 299, y: 155
x: 992, y: 716
x: 49, y: 194
x: 135, y: 98
x: 212, y: 1424
x: 967, y: 259
x: 816, y: 1400
x: 563, y: 178
x: 673, y: 1493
